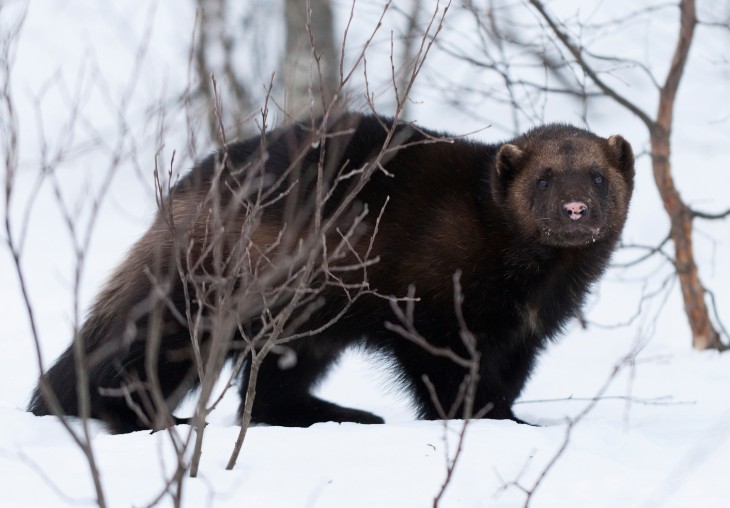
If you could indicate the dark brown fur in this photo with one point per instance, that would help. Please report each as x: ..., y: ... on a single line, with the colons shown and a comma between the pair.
x: 496, y: 214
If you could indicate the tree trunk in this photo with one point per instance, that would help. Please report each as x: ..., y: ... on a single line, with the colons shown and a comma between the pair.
x: 311, y: 61
x: 704, y: 335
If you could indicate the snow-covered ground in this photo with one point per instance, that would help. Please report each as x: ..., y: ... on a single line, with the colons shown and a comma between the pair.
x: 658, y: 437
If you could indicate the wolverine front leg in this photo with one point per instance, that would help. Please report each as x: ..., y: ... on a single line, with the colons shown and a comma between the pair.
x: 283, y: 391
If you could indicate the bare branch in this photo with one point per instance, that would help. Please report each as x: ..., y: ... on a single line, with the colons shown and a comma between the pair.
x: 710, y: 216
x: 577, y: 53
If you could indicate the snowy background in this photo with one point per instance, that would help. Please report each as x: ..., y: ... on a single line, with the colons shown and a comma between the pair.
x: 659, y: 436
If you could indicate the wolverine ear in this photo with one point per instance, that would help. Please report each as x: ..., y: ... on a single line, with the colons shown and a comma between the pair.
x: 506, y: 166
x: 622, y: 153
x: 508, y: 161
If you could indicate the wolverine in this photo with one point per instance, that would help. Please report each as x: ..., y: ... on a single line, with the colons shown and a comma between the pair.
x: 358, y: 230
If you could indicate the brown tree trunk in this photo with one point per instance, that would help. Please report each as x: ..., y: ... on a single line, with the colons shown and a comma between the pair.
x: 704, y: 335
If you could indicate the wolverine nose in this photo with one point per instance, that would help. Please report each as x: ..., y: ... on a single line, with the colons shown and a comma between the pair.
x: 575, y: 209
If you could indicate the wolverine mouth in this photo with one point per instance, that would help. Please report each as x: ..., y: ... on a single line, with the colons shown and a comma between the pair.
x: 571, y: 235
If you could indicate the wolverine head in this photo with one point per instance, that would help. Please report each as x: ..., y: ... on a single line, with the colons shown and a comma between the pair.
x: 564, y: 186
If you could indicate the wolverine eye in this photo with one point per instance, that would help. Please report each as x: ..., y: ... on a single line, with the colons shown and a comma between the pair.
x: 598, y: 180
x: 543, y: 183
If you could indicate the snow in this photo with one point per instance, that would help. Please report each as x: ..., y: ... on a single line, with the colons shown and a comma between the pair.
x: 659, y: 435
x: 671, y: 451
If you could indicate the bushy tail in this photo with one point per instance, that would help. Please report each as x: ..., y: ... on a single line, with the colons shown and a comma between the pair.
x: 61, y: 379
